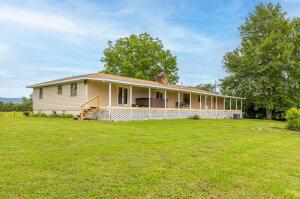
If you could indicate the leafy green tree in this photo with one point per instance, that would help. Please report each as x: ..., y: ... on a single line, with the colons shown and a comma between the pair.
x: 265, y: 68
x: 207, y: 87
x: 140, y: 56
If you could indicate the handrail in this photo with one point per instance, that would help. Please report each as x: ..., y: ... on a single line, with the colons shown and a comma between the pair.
x: 85, y: 104
x: 91, y: 100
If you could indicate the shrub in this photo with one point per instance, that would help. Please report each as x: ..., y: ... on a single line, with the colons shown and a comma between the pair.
x: 293, y: 119
x: 40, y: 115
x: 26, y: 113
x: 66, y: 116
x: 194, y: 117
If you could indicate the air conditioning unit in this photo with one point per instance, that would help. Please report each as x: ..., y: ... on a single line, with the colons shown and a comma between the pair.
x: 236, y: 116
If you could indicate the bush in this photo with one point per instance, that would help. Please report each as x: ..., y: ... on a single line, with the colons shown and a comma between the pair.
x: 39, y: 115
x: 26, y: 113
x: 66, y: 116
x: 293, y: 119
x: 194, y: 117
x: 61, y: 116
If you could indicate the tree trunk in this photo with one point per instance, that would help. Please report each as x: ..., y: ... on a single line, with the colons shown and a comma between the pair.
x: 269, y: 114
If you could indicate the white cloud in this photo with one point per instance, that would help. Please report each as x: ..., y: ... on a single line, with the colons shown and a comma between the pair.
x: 40, y: 20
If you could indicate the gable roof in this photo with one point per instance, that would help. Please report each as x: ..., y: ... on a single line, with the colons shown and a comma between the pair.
x: 126, y: 80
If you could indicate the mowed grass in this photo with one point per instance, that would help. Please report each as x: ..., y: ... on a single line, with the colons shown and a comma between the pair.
x: 62, y: 158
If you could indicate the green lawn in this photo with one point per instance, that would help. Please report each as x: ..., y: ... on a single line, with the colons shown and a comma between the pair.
x: 62, y: 158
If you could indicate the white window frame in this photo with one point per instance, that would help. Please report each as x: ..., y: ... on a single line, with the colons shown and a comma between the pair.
x: 122, y: 104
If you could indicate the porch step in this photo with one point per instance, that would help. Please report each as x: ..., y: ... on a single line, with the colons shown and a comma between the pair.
x: 85, y: 113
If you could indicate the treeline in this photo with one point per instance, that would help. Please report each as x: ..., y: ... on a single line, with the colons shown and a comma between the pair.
x: 26, y: 105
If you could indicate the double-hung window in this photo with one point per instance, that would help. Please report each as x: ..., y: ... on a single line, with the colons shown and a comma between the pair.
x: 59, y: 90
x: 41, y: 93
x: 122, y: 96
x: 73, y: 89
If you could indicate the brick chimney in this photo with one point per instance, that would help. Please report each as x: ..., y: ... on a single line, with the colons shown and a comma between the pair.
x: 162, y: 78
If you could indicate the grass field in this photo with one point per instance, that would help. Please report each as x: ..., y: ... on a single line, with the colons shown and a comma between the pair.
x: 61, y: 158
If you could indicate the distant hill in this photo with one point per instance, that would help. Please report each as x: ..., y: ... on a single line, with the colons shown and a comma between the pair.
x: 14, y: 100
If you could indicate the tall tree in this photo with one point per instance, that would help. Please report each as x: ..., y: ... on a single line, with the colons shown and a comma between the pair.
x: 265, y: 68
x: 207, y: 87
x: 140, y: 56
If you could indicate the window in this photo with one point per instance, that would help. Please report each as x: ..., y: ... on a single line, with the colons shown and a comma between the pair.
x: 199, y: 98
x: 59, y: 89
x: 186, y: 98
x: 41, y: 93
x: 159, y: 95
x: 73, y: 89
x: 122, y: 96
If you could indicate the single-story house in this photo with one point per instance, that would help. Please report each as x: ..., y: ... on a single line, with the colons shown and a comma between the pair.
x: 111, y: 97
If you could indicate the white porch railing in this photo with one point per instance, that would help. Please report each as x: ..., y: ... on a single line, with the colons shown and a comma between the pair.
x: 133, y: 113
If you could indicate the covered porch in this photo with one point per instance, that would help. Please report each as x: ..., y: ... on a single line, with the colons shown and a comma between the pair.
x: 121, y: 102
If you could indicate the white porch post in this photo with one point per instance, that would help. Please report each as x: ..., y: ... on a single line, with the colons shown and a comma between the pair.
x: 216, y: 107
x: 190, y: 101
x: 86, y: 92
x: 109, y: 101
x: 206, y: 105
x: 149, y: 106
x: 211, y: 102
x: 130, y: 101
x: 236, y: 104
x: 130, y: 96
x: 190, y: 104
x: 242, y: 105
x: 242, y: 108
x: 200, y: 104
x: 224, y: 107
x: 165, y: 104
x: 178, y: 99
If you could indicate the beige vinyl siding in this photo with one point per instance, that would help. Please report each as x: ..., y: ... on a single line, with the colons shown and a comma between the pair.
x: 51, y: 101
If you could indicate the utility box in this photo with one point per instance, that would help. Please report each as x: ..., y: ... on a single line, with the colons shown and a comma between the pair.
x: 236, y: 116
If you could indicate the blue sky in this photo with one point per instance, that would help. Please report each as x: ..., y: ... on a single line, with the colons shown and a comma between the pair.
x: 41, y: 40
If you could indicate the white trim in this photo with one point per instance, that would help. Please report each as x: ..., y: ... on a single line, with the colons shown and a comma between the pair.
x: 130, y: 96
x: 241, y: 105
x: 200, y: 102
x: 165, y: 104
x: 178, y: 99
x: 149, y: 102
x: 128, y: 83
x: 86, y: 93
x: 109, y: 100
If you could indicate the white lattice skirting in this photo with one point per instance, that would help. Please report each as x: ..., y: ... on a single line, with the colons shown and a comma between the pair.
x: 121, y: 114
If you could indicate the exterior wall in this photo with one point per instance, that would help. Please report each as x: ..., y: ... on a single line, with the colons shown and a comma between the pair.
x: 53, y: 102
x: 60, y: 103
